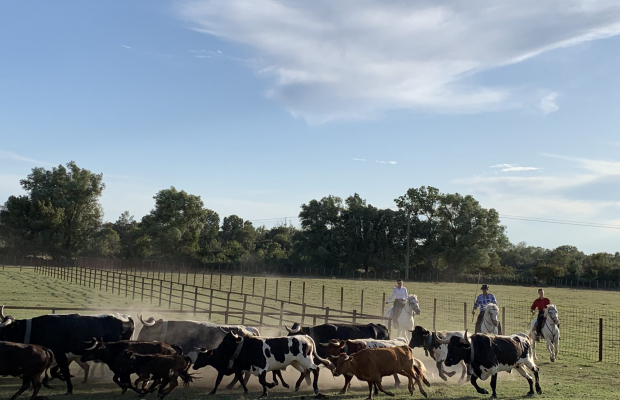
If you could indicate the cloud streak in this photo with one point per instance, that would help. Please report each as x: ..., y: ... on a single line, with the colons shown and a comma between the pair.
x: 357, y: 58
x: 377, y: 161
x: 513, y: 168
x: 7, y: 155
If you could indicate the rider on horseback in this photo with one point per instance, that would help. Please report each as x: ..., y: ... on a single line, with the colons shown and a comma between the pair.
x: 399, y: 295
x: 481, y: 301
x: 541, y: 303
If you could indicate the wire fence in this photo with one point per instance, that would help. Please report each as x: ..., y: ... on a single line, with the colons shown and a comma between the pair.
x: 269, y: 302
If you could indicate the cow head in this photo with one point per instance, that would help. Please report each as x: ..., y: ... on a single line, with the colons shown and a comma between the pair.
x: 413, y: 303
x: 381, y: 331
x: 294, y: 330
x: 334, y: 348
x: 459, y: 349
x: 93, y: 350
x: 151, y: 329
x: 205, y: 357
x: 7, y: 326
x: 343, y: 365
x: 419, y: 337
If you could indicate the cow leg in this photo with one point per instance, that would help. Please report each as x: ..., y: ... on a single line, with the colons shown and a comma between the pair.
x: 239, y: 376
x: 370, y: 387
x: 347, y: 383
x: 63, y: 364
x: 527, y: 376
x: 493, y: 386
x: 442, y: 375
x: 380, y: 386
x: 261, y: 379
x: 25, y: 386
x: 232, y: 383
x: 86, y: 369
x: 463, y: 372
x: 278, y: 374
x: 396, y: 380
x: 315, y: 383
x: 36, y: 384
x: 218, y: 380
x: 474, y: 382
x: 538, y: 388
x: 301, y: 379
x: 173, y: 383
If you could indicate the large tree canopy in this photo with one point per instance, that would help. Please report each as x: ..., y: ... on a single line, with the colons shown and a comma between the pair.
x: 59, y: 214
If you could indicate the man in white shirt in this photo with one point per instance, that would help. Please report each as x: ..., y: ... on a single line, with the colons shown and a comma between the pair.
x: 399, y: 295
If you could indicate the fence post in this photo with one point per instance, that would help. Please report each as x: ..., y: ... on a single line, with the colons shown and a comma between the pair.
x: 434, y: 312
x: 242, y: 283
x: 227, y: 307
x: 203, y: 276
x: 170, y: 296
x: 152, y: 283
x: 362, y: 303
x: 277, y: 282
x: 341, y: 297
x: 504, y: 321
x: 253, y: 285
x: 161, y: 291
x: 383, y: 305
x: 230, y: 286
x: 195, y: 297
x: 465, y: 316
x: 600, y: 339
x: 220, y: 287
x: 327, y: 315
x: 142, y: 291
x: 281, y: 316
x: 354, y: 316
x: 265, y: 290
x: 133, y: 294
x: 262, y: 310
x: 107, y: 277
x: 303, y: 314
x: 303, y: 293
x: 210, y: 301
x: 245, y: 301
x: 113, y: 284
x: 182, y: 295
x: 290, y: 286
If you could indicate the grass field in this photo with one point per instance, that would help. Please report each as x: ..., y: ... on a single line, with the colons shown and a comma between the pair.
x: 570, y: 377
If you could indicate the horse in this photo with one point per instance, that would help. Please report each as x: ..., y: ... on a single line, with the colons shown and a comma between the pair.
x: 405, y: 321
x: 490, y: 320
x: 550, y: 332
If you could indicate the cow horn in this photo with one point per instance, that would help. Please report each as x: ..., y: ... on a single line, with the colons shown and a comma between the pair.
x: 346, y: 357
x: 94, y: 342
x: 7, y: 321
x: 438, y: 340
x: 150, y: 321
x: 201, y: 349
x: 225, y: 330
x: 2, y: 312
x: 464, y: 340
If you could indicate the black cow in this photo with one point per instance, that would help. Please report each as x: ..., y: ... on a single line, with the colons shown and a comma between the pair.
x: 326, y: 332
x: 259, y: 355
x: 112, y: 354
x: 421, y: 337
x: 28, y: 361
x: 490, y: 354
x: 64, y: 334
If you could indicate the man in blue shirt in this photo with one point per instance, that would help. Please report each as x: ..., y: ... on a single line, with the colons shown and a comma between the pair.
x: 481, y: 301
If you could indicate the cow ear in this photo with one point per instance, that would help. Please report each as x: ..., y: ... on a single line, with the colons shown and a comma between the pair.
x: 342, y: 344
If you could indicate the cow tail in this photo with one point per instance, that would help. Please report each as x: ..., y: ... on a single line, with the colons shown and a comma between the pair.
x: 50, y: 361
x: 185, y: 376
x: 327, y: 363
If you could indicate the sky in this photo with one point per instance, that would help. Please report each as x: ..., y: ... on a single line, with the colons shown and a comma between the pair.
x: 261, y: 106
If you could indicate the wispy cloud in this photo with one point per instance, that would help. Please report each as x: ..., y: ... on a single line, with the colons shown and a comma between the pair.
x: 548, y: 104
x: 127, y: 47
x: 353, y: 59
x: 377, y: 161
x: 7, y: 155
x: 513, y: 168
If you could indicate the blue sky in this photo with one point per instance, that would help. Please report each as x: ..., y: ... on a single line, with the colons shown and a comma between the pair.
x: 259, y: 107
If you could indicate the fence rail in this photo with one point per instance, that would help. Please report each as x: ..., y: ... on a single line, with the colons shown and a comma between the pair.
x: 586, y: 333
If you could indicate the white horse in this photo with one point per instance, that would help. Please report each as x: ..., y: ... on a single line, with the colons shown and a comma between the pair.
x: 550, y: 332
x: 490, y: 320
x: 405, y: 321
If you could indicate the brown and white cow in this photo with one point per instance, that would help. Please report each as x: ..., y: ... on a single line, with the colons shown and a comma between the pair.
x: 28, y: 361
x: 371, y: 365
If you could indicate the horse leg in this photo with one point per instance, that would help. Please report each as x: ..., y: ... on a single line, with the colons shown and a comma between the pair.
x: 533, y: 342
x: 550, y: 348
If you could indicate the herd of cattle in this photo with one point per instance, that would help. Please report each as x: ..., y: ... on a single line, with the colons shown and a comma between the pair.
x: 164, y: 351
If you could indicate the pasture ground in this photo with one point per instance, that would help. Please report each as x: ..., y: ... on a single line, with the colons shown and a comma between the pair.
x: 570, y: 377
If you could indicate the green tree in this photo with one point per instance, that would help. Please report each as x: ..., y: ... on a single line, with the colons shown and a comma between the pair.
x: 58, y: 216
x: 234, y: 228
x: 135, y: 243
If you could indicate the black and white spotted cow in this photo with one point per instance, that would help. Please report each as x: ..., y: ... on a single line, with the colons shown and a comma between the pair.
x: 489, y: 354
x: 259, y: 355
x: 429, y: 341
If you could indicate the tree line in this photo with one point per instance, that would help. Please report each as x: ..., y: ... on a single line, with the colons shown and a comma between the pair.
x: 60, y: 217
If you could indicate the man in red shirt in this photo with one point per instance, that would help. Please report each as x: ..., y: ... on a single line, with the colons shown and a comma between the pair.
x: 541, y: 303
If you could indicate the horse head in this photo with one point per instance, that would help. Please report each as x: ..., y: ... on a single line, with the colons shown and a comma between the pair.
x: 492, y: 312
x: 552, y: 312
x: 413, y: 303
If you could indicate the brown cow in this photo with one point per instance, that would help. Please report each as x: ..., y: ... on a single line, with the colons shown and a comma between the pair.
x: 160, y: 368
x: 28, y: 361
x: 371, y: 365
x: 352, y: 346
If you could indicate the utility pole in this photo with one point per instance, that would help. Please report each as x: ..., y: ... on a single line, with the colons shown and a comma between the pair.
x: 407, y: 255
